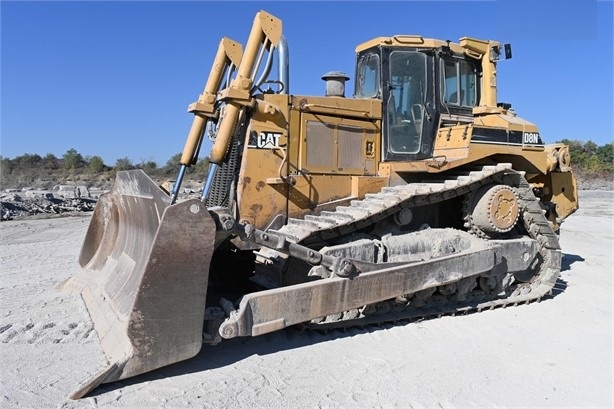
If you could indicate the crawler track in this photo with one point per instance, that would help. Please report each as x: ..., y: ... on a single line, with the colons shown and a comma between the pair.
x: 329, y: 225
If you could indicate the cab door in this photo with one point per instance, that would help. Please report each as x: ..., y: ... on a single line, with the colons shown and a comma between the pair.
x: 408, y: 101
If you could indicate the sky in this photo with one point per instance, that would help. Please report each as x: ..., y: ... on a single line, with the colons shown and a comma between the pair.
x: 114, y: 78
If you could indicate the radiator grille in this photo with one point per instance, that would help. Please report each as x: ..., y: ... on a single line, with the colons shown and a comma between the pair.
x: 349, y: 147
x: 320, y: 145
x: 225, y: 175
x: 334, y: 147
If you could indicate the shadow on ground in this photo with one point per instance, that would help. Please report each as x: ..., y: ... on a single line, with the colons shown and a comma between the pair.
x: 569, y: 259
x: 234, y: 350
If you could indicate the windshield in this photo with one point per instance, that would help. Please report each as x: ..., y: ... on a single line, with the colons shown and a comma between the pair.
x: 405, y: 105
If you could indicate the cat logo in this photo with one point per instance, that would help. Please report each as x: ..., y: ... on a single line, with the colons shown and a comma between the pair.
x: 266, y: 140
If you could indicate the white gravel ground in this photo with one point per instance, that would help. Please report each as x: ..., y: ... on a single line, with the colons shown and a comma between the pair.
x: 557, y: 353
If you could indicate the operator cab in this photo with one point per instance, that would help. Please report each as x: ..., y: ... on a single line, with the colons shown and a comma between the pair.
x: 423, y: 85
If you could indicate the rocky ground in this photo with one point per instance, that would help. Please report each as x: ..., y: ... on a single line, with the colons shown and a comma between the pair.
x: 64, y: 200
x: 552, y: 354
x: 34, y: 203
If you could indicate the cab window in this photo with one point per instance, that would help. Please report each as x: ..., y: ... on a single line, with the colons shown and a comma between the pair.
x: 368, y: 76
x: 459, y: 85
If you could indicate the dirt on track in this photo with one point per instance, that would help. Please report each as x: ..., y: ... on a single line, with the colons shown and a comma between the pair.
x: 556, y: 353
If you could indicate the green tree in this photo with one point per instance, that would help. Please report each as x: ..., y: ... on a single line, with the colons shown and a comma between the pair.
x: 590, y: 157
x: 590, y: 147
x: 73, y: 160
x: 51, y: 162
x: 28, y: 161
x: 172, y: 165
x: 6, y: 166
x: 575, y: 150
x: 202, y: 167
x: 148, y: 165
x: 605, y: 154
x: 123, y: 164
x: 95, y: 165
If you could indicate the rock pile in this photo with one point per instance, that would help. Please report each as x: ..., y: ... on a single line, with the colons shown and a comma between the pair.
x: 28, y: 202
x: 25, y: 203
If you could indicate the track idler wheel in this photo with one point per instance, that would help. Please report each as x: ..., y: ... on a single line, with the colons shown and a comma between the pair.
x: 493, y: 210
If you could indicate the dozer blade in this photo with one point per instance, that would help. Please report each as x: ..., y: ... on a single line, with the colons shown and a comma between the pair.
x: 145, y: 268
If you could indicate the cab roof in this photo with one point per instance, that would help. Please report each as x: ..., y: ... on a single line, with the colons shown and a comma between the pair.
x: 408, y: 40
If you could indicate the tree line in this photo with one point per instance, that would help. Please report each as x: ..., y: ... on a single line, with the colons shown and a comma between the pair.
x: 33, y: 169
x: 586, y: 156
x: 590, y: 157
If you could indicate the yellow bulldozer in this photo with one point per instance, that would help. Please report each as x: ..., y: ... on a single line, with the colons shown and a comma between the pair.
x: 419, y: 196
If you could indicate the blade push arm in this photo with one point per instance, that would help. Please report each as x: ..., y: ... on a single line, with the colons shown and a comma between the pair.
x: 265, y: 34
x: 229, y: 54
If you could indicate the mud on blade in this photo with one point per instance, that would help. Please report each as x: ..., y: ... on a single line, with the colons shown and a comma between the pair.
x: 145, y: 267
